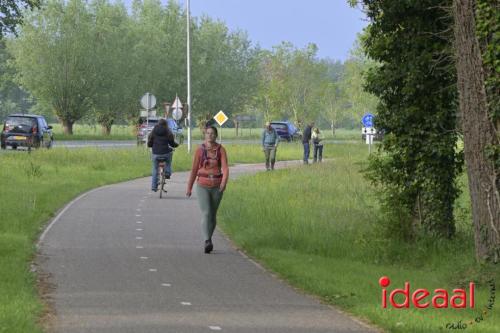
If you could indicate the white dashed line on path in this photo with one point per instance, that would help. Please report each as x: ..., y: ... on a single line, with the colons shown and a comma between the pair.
x: 215, y: 328
x: 186, y: 303
x: 166, y: 285
x: 139, y: 247
x: 138, y: 229
x: 144, y: 258
x: 153, y: 270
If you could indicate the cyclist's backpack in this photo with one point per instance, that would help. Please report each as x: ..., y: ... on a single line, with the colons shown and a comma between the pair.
x: 205, y: 158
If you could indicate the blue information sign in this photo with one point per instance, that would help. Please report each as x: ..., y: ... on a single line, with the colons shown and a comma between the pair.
x: 367, y: 120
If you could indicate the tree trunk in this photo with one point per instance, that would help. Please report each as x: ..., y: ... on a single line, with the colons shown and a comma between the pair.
x: 67, y: 127
x: 106, y: 129
x: 479, y: 133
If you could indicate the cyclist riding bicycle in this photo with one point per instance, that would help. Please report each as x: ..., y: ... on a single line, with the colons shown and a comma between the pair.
x: 161, y: 140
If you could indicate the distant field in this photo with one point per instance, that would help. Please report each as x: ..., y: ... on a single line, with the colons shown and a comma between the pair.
x: 127, y: 132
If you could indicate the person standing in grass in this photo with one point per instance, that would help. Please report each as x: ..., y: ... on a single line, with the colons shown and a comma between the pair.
x: 269, y: 145
x: 306, y: 142
x: 318, y: 145
x: 211, y: 171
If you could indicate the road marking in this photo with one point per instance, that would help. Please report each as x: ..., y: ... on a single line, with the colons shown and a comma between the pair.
x: 166, y: 285
x: 138, y: 215
x: 139, y: 247
x: 215, y: 328
x: 138, y: 237
x: 153, y: 270
x: 186, y: 303
x: 138, y: 229
x: 139, y: 222
x: 138, y: 209
x: 144, y: 258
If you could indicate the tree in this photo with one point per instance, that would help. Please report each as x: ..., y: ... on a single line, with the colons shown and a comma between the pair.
x: 333, y: 100
x: 292, y: 82
x: 476, y: 48
x: 53, y: 57
x: 112, y: 71
x: 418, y: 163
x: 13, y: 99
x: 224, y: 68
x: 10, y: 14
x: 355, y: 68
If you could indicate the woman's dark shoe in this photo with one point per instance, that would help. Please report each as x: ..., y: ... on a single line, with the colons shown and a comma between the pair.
x: 208, y: 246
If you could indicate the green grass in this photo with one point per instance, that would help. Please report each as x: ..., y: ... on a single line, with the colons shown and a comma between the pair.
x: 317, y: 227
x: 89, y: 132
x: 127, y: 132
x: 36, y: 185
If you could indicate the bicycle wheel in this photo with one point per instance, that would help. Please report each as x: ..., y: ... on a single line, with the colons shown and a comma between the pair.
x: 162, y: 183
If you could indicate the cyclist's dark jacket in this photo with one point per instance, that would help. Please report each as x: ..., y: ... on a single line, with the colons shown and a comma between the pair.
x: 161, y: 140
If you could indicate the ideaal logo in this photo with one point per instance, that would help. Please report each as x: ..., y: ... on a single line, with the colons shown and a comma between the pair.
x: 440, y: 298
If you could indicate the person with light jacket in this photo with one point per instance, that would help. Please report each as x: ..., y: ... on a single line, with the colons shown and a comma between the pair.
x: 318, y: 145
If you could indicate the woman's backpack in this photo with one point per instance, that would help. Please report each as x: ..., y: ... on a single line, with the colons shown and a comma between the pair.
x: 205, y: 158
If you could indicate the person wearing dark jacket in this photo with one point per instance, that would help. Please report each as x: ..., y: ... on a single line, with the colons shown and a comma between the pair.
x: 161, y: 140
x: 306, y: 141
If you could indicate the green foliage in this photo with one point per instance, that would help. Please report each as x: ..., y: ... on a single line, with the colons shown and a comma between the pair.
x: 11, y: 16
x: 418, y: 162
x: 13, y: 99
x: 488, y: 32
x: 53, y: 55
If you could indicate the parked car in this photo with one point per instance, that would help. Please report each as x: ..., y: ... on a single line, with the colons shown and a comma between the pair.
x: 26, y: 130
x: 147, y: 126
x: 286, y: 131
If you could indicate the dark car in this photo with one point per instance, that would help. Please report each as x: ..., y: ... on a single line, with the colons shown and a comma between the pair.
x: 286, y: 131
x: 147, y: 126
x: 26, y: 130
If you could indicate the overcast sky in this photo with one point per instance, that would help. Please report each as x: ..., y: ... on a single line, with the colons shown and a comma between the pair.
x: 331, y: 24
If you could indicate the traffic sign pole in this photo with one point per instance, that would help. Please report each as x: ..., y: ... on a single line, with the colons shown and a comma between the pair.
x: 220, y: 118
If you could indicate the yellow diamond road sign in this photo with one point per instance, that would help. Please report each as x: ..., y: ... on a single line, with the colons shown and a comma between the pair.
x: 221, y: 118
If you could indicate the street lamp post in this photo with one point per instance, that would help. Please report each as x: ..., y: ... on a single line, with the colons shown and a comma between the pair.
x: 188, y: 29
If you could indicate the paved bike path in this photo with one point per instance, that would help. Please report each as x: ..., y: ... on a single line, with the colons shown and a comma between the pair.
x: 122, y: 260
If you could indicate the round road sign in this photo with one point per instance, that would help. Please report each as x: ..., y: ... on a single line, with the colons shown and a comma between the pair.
x: 148, y: 101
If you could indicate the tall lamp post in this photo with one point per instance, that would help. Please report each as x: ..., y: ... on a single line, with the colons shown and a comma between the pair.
x: 188, y: 29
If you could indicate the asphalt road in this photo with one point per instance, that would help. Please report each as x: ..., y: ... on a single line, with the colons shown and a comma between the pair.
x: 119, y: 259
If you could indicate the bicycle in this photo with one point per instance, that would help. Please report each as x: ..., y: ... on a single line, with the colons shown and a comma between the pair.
x: 162, y: 163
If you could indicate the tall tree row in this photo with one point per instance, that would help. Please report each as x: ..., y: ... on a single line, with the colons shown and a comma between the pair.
x: 415, y: 82
x: 477, y: 36
x: 54, y: 56
x: 94, y: 60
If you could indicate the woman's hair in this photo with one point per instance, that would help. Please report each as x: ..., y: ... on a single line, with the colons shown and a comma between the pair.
x: 162, y: 122
x: 214, y: 128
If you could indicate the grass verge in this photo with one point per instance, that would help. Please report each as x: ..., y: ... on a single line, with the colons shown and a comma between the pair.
x: 127, y: 132
x: 36, y: 185
x: 318, y: 227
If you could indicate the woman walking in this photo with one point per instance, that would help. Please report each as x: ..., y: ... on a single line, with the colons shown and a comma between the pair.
x: 211, y: 171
